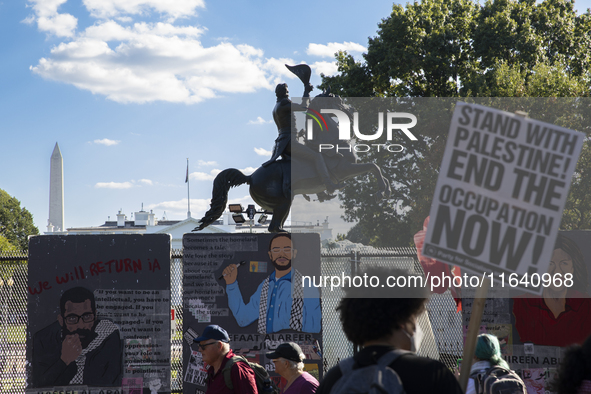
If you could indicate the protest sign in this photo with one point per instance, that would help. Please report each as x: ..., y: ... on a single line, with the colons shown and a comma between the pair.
x: 498, y: 201
x: 99, y: 313
x: 237, y: 303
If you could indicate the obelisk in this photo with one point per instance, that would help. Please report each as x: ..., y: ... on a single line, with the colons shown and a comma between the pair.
x: 56, y: 190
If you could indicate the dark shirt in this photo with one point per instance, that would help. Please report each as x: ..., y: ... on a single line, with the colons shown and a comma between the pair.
x: 242, y: 378
x: 419, y: 375
x: 103, y: 366
x: 536, y: 323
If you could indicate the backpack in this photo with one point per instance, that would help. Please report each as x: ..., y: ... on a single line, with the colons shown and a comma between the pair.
x: 264, y: 383
x: 377, y: 378
x: 498, y: 380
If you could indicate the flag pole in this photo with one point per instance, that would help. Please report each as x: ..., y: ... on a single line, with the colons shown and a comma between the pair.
x: 188, y: 196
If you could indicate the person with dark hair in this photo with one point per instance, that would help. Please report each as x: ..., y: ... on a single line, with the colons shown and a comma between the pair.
x: 487, y: 355
x: 574, y: 373
x: 78, y: 348
x: 284, y: 117
x: 273, y: 304
x: 382, y: 321
x: 289, y: 363
x: 546, y: 320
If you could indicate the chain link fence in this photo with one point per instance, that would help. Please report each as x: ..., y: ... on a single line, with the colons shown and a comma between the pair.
x: 13, y: 321
x: 445, y: 344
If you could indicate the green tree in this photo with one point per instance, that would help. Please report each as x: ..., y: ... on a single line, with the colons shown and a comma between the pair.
x: 457, y: 48
x: 6, y: 246
x: 16, y: 223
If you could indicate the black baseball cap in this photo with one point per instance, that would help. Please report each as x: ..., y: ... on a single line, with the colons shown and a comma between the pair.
x: 213, y: 332
x: 289, y: 351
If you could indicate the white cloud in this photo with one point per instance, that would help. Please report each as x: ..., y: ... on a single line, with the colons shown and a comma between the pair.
x: 263, y: 152
x: 49, y: 20
x: 123, y: 185
x: 113, y: 185
x: 128, y: 60
x: 61, y: 25
x: 204, y: 176
x: 106, y: 142
x: 155, y: 62
x: 260, y: 120
x: 326, y: 68
x: 331, y: 48
x: 172, y: 9
x: 277, y: 68
x: 203, y: 163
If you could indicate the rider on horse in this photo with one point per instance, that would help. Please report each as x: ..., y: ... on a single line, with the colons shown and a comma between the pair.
x: 285, y: 121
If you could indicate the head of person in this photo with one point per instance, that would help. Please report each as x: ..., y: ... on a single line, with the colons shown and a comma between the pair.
x: 489, y: 349
x: 288, y: 358
x: 214, y: 344
x: 281, y: 251
x: 567, y: 258
x: 78, y: 314
x: 380, y: 314
x: 575, y: 367
x: 281, y: 90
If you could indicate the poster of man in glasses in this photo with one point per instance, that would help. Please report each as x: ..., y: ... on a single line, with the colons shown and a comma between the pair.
x: 99, y: 313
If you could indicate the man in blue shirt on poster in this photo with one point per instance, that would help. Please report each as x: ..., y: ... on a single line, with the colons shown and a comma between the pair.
x: 273, y: 304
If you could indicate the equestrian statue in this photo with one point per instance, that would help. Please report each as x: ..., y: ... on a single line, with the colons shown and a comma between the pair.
x: 297, y: 167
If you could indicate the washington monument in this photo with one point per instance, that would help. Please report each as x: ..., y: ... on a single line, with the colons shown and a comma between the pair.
x: 56, y: 190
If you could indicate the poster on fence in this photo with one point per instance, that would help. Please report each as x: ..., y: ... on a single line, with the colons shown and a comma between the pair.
x: 534, y: 331
x: 251, y: 285
x: 99, y: 314
x: 500, y: 193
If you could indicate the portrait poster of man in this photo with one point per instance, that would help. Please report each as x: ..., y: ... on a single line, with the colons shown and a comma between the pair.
x: 251, y: 285
x: 99, y: 313
x: 535, y: 330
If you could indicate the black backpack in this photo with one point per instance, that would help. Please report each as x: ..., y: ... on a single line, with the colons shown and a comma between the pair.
x: 498, y: 380
x: 264, y: 383
x: 377, y: 378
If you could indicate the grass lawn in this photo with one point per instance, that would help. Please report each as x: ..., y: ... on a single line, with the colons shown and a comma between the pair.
x: 15, y: 333
x: 11, y: 383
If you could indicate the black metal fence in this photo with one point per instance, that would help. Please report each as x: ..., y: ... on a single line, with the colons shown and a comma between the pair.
x: 443, y: 339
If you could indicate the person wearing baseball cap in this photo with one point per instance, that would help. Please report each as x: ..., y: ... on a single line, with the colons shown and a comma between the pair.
x: 214, y: 345
x: 289, y: 363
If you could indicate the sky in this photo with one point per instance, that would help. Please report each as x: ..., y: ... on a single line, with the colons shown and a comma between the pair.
x: 131, y: 89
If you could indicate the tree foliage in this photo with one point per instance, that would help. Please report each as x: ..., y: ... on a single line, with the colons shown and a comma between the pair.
x: 16, y: 223
x: 457, y: 48
x: 6, y: 246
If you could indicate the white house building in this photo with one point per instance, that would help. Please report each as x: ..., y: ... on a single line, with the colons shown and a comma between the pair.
x: 146, y: 223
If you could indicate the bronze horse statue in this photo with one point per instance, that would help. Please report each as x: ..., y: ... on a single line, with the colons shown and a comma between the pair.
x: 273, y: 187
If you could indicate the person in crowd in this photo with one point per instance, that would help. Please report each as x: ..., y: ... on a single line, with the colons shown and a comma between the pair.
x: 214, y: 345
x: 574, y: 373
x: 289, y: 363
x: 382, y: 319
x: 487, y: 354
x: 562, y: 308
